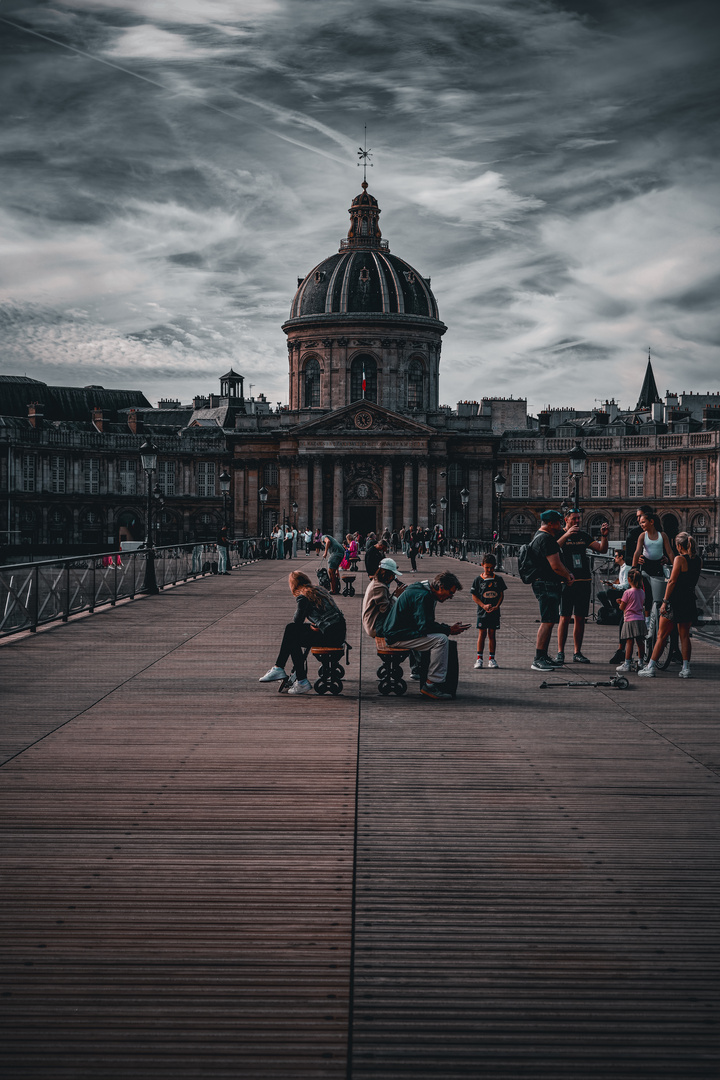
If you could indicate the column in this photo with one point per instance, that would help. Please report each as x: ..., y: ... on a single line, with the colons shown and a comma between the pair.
x: 422, y: 512
x: 387, y: 507
x: 408, y: 494
x: 238, y: 510
x: 317, y: 514
x: 284, y: 512
x: 338, y: 496
x: 303, y: 516
x: 475, y: 505
x: 490, y: 503
x: 254, y: 524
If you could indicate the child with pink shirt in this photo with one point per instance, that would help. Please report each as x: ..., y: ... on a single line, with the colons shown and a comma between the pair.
x: 632, y: 605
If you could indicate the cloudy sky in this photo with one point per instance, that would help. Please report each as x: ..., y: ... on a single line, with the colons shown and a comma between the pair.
x: 169, y: 167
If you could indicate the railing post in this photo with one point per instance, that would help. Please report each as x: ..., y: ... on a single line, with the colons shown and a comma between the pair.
x: 114, y: 599
x: 34, y: 603
x: 93, y: 587
x: 66, y: 614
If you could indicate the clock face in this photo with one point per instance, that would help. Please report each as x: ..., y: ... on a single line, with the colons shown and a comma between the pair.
x: 363, y: 420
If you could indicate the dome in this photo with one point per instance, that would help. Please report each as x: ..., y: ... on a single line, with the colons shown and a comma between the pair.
x: 363, y: 277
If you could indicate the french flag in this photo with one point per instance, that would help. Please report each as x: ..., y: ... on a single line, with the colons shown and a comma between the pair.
x: 364, y: 381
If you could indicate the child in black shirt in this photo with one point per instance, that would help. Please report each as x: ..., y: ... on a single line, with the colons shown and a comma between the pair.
x: 487, y: 591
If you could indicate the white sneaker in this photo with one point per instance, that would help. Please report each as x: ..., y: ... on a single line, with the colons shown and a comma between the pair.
x: 478, y: 663
x: 648, y: 672
x: 492, y: 662
x: 625, y: 666
x: 684, y: 673
x: 275, y: 674
x: 302, y: 686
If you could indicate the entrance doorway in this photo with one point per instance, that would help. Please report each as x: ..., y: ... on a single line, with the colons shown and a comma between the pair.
x: 362, y: 519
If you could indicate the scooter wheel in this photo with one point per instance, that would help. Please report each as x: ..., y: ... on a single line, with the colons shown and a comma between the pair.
x: 622, y: 683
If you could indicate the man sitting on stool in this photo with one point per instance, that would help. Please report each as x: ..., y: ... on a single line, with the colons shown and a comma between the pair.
x: 410, y: 624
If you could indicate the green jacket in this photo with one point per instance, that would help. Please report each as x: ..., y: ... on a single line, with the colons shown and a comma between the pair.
x: 413, y: 615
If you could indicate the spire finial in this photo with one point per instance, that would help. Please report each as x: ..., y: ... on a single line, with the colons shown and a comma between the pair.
x: 364, y: 155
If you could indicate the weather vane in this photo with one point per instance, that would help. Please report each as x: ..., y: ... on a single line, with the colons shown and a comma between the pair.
x: 364, y: 155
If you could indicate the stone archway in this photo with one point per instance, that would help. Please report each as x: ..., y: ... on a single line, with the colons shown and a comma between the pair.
x: 363, y: 505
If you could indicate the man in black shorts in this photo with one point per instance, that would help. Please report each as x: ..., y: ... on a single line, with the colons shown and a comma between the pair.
x: 575, y: 598
x: 548, y: 575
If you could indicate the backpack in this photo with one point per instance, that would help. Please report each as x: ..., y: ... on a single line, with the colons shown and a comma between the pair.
x: 527, y: 564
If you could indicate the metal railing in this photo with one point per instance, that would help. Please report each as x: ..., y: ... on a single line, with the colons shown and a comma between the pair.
x: 32, y: 594
x: 707, y: 592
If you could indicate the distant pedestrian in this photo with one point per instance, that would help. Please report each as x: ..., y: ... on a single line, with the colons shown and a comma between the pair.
x: 317, y: 541
x: 223, y: 546
x: 307, y: 540
x: 488, y: 591
x: 575, y: 598
x: 334, y: 552
x: 679, y: 605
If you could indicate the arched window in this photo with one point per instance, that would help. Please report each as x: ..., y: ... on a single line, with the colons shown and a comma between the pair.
x: 415, y: 385
x: 363, y: 368
x: 312, y: 384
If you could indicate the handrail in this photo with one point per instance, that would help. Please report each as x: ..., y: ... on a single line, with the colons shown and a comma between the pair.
x: 32, y: 594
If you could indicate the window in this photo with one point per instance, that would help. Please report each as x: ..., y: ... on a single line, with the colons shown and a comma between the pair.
x: 415, y: 385
x: 701, y: 471
x: 455, y: 475
x: 520, y: 479
x: 28, y: 468
x: 206, y: 478
x: 270, y: 474
x: 636, y: 479
x: 91, y: 475
x: 598, y: 479
x: 670, y: 478
x: 363, y: 368
x: 166, y: 477
x: 312, y: 384
x: 560, y: 479
x: 57, y: 474
x: 127, y: 474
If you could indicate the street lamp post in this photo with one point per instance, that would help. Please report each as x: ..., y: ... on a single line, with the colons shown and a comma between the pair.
x: 578, y: 461
x: 443, y: 507
x: 499, y: 482
x: 149, y: 458
x: 225, y: 491
x: 433, y: 542
x: 465, y: 499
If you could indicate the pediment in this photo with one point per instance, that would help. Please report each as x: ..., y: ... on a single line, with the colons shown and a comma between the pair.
x: 353, y: 420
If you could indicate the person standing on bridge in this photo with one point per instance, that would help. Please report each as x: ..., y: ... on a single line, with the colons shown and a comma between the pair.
x: 549, y: 573
x: 317, y: 621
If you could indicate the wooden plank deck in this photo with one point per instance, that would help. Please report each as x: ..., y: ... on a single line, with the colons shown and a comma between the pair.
x: 532, y: 890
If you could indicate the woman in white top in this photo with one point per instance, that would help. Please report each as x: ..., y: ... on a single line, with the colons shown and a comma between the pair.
x: 653, y: 551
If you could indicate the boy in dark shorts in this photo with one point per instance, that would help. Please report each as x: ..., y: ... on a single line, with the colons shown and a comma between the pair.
x: 487, y: 591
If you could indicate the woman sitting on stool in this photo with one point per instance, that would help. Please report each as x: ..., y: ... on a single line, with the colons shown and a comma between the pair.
x: 325, y: 626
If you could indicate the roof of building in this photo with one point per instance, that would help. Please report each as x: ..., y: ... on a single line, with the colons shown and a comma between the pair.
x: 64, y: 402
x: 363, y: 276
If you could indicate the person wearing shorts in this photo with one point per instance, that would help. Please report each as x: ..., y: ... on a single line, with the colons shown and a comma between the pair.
x: 487, y: 591
x: 548, y: 576
x: 575, y: 598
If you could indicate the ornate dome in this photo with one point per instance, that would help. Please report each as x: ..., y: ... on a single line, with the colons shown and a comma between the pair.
x: 363, y: 277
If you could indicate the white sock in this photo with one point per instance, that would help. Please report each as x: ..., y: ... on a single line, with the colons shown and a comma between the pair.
x: 686, y: 665
x: 651, y: 663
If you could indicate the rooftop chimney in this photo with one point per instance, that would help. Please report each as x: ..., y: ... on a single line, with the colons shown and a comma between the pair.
x: 36, y: 413
x: 97, y: 418
x: 134, y: 423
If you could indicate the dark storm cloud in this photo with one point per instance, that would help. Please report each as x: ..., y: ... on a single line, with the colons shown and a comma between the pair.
x: 552, y: 166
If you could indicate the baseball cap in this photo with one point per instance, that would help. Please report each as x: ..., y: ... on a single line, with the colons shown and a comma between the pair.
x: 548, y: 516
x: 390, y: 564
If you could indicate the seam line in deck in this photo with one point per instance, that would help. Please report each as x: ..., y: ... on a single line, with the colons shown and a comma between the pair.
x: 351, y: 968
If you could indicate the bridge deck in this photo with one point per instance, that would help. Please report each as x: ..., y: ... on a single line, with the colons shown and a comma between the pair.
x: 205, y: 878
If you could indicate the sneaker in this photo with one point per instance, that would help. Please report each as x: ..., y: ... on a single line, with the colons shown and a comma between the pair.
x: 478, y: 663
x: 578, y: 658
x: 301, y: 686
x: 430, y: 690
x: 492, y: 662
x: 275, y: 674
x: 625, y: 666
x: 618, y: 657
x: 559, y: 659
x: 648, y: 672
x: 684, y: 673
x: 541, y: 663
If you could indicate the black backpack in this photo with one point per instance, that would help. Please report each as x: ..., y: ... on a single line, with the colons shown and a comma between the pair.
x: 528, y: 568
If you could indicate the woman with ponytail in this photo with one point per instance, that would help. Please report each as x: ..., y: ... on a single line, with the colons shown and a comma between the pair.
x: 317, y: 621
x: 678, y: 604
